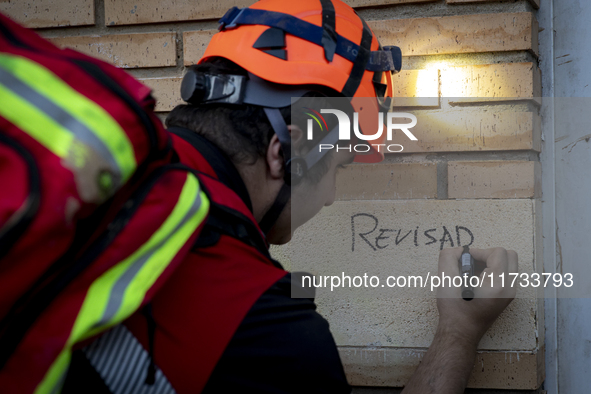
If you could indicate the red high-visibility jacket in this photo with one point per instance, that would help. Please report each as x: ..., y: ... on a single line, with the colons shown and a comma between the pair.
x: 225, y: 320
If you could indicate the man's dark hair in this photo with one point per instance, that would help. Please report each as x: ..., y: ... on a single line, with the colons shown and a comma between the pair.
x: 242, y: 132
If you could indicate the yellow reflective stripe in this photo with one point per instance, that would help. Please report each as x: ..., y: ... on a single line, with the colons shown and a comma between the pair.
x: 85, y: 111
x: 146, y: 264
x: 27, y: 117
x: 137, y: 274
x: 54, y: 378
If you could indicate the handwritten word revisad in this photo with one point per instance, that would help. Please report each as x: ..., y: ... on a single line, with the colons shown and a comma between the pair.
x: 365, y: 231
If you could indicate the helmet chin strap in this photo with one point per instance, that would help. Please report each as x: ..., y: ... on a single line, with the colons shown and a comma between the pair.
x: 295, y: 168
x: 274, y: 212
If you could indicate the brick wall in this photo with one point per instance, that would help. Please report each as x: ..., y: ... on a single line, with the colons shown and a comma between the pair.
x: 470, y: 76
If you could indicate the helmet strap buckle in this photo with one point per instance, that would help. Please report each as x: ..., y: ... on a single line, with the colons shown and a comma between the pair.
x: 296, y: 169
x: 228, y: 21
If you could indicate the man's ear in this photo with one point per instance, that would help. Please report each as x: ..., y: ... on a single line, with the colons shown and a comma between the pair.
x: 275, y: 162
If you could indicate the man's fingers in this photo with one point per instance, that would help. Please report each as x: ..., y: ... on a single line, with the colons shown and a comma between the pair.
x: 496, y: 259
x: 481, y: 254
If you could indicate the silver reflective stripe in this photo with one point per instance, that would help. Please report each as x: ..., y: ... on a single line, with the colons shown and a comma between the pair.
x: 123, y: 362
x: 64, y: 119
x: 118, y: 290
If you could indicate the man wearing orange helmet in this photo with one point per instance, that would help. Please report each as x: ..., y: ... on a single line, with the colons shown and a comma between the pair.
x: 225, y: 321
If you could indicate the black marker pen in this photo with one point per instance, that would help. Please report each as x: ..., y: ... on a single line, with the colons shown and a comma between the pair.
x: 467, y: 270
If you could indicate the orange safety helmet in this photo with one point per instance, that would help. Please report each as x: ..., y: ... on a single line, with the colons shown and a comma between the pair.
x: 313, y: 42
x: 285, y: 47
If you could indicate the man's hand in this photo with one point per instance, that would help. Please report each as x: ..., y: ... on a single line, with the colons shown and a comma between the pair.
x: 471, y: 319
x: 450, y: 358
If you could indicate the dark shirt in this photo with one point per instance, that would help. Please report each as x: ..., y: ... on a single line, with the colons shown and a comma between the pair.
x: 282, y: 346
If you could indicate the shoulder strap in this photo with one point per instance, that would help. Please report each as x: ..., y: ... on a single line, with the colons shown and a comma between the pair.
x: 225, y: 217
x: 221, y: 164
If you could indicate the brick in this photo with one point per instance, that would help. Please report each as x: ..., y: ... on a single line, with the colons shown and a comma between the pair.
x: 416, y: 88
x: 369, y: 3
x: 463, y: 129
x: 128, y: 12
x: 535, y: 3
x: 49, y: 13
x: 194, y: 45
x: 491, y: 81
x: 394, y: 367
x: 493, y: 179
x: 460, y: 34
x: 125, y: 12
x: 126, y: 50
x: 167, y: 92
x: 510, y: 370
x: 281, y: 253
x: 331, y: 244
x: 382, y: 337
x: 387, y: 182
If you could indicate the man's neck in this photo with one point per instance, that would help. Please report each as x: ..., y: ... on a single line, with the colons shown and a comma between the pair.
x: 261, y: 190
